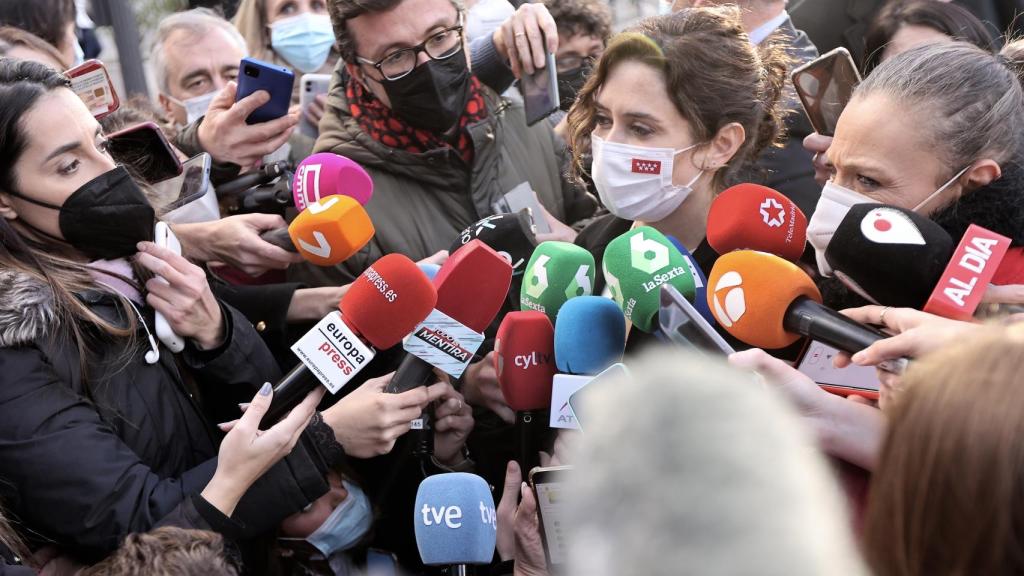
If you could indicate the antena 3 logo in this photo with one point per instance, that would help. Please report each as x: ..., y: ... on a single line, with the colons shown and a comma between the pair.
x: 730, y: 302
x: 772, y: 213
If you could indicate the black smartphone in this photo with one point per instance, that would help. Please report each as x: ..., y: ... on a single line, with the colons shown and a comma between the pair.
x: 540, y: 92
x: 255, y: 75
x: 144, y: 149
x: 548, y: 486
x: 825, y: 86
x: 682, y: 324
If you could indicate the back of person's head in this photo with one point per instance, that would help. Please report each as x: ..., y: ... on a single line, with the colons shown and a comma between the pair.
x: 581, y: 17
x: 195, y: 23
x: 341, y: 11
x: 168, y: 551
x: 946, y: 18
x: 948, y: 494
x: 17, y: 43
x: 969, y: 101
x: 713, y: 74
x: 51, y: 20
x: 693, y: 467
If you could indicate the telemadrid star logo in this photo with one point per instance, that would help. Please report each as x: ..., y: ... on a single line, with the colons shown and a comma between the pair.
x: 769, y: 207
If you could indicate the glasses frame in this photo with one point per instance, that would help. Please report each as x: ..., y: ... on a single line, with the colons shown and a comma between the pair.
x: 421, y: 47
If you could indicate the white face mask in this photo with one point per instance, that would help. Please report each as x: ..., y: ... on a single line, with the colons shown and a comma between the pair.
x: 665, y: 7
x: 833, y: 205
x: 635, y: 182
x: 195, y: 108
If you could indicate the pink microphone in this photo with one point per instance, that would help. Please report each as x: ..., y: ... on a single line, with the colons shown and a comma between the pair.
x: 326, y: 174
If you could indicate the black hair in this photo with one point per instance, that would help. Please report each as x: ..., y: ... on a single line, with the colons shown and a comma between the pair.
x: 22, y: 84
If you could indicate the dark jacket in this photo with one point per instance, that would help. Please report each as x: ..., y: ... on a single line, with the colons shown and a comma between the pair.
x: 421, y: 201
x: 85, y: 465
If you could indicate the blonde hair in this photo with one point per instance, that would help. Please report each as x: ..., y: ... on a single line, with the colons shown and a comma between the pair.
x: 251, y: 22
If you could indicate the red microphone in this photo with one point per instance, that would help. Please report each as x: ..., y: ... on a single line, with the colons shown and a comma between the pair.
x: 327, y: 174
x: 754, y: 217
x: 383, y: 305
x: 974, y: 263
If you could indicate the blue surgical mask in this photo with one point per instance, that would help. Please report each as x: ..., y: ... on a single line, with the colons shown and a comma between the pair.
x: 346, y: 526
x: 304, y: 41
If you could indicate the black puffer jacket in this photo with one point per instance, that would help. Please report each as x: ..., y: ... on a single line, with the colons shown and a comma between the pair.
x: 85, y: 472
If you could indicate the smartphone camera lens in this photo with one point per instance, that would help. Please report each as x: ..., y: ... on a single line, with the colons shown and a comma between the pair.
x: 252, y: 72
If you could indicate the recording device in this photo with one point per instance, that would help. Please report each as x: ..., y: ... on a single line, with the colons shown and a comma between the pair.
x: 636, y: 265
x: 164, y: 238
x: 326, y: 233
x: 511, y: 236
x: 680, y: 323
x: 523, y: 197
x: 770, y: 303
x: 255, y: 75
x: 590, y: 336
x: 548, y: 486
x: 144, y: 149
x: 381, y: 307
x: 556, y: 272
x: 889, y: 255
x: 327, y: 174
x: 91, y: 82
x: 263, y: 175
x: 311, y: 86
x: 963, y: 283
x: 825, y: 85
x: 540, y: 91
x: 754, y: 217
x: 700, y: 281
x: 816, y: 362
x: 614, y: 374
x: 455, y: 521
x: 196, y: 200
x: 524, y: 360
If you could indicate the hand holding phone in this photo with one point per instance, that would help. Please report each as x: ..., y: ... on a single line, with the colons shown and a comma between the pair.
x: 91, y: 82
x: 311, y: 86
x: 825, y: 86
x: 548, y: 485
x: 255, y: 75
x: 540, y: 91
x: 145, y: 150
x: 164, y: 238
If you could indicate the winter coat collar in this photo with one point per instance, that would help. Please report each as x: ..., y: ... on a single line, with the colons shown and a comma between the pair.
x: 998, y: 207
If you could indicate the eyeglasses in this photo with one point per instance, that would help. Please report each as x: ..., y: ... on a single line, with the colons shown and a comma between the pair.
x: 568, y: 63
x: 444, y: 44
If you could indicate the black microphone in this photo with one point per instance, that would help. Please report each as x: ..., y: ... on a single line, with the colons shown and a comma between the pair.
x: 262, y: 175
x: 512, y: 236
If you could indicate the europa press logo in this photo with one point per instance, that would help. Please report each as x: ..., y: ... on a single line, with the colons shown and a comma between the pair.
x: 730, y: 302
x: 773, y: 213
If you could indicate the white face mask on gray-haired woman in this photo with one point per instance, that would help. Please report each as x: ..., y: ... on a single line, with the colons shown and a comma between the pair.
x: 834, y: 203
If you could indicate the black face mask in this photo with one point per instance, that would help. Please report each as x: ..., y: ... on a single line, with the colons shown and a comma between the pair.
x: 570, y: 83
x: 104, y: 219
x: 432, y: 96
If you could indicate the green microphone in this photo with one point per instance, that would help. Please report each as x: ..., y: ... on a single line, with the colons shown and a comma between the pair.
x: 636, y: 265
x: 556, y: 272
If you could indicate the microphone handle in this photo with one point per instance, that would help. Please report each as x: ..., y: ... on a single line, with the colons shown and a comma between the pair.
x: 279, y: 237
x: 248, y: 180
x: 527, y: 432
x: 809, y: 318
x: 289, y: 392
x: 412, y: 372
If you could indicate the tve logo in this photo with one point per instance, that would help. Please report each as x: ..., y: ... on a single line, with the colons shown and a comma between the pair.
x: 455, y: 520
x: 729, y: 301
x: 772, y: 213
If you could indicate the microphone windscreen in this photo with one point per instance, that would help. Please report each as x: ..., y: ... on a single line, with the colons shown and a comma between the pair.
x: 388, y: 300
x: 749, y: 293
x: 509, y: 234
x: 326, y: 174
x: 590, y: 335
x: 524, y: 358
x: 891, y: 256
x: 636, y: 264
x: 472, y: 285
x: 557, y: 271
x: 455, y: 520
x: 753, y: 217
x: 330, y: 231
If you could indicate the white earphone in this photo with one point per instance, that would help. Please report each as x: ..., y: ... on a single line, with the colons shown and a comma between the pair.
x: 153, y: 355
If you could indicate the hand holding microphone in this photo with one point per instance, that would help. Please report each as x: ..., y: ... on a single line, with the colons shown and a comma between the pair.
x: 235, y: 241
x: 915, y: 334
x: 327, y: 232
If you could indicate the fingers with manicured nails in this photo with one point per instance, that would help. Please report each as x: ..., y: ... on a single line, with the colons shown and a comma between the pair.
x: 175, y: 260
x: 250, y: 420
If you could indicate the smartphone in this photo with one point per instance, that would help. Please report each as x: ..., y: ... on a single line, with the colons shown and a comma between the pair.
x: 548, y: 486
x: 682, y: 324
x: 255, y: 75
x: 816, y: 362
x: 195, y: 200
x: 146, y: 151
x: 540, y: 92
x: 91, y: 82
x: 311, y: 86
x: 520, y: 197
x: 824, y: 86
x: 164, y: 238
x: 614, y: 373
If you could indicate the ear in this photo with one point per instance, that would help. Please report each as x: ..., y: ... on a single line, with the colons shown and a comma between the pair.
x: 166, y: 106
x: 6, y: 208
x: 723, y: 146
x: 981, y: 173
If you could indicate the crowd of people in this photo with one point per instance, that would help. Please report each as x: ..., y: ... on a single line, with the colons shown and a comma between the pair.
x: 123, y: 453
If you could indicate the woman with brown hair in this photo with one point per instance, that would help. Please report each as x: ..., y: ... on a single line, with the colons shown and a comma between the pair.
x: 947, y: 496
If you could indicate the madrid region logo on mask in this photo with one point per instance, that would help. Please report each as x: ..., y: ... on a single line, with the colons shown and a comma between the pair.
x: 772, y: 213
x: 730, y: 301
x: 641, y: 166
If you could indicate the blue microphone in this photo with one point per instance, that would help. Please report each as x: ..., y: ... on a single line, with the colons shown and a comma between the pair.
x: 430, y: 270
x: 590, y: 335
x: 455, y: 520
x: 700, y: 281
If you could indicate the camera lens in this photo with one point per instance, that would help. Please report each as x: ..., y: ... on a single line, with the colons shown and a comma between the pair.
x: 252, y: 72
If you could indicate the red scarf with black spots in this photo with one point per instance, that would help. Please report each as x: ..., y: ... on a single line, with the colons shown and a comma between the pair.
x: 385, y: 127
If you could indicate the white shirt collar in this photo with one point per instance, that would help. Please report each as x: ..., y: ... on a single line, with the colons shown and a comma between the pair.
x: 765, y: 30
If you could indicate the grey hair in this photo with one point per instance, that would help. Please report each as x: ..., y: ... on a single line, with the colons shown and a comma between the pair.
x: 971, y: 99
x: 697, y: 468
x: 197, y: 22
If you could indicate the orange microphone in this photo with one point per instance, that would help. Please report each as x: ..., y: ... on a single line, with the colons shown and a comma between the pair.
x: 754, y: 217
x: 770, y: 303
x: 327, y: 232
